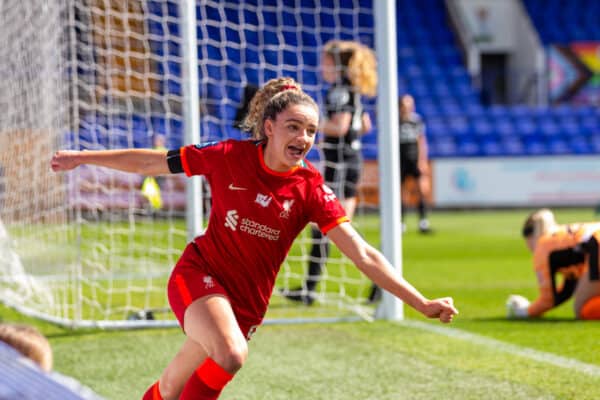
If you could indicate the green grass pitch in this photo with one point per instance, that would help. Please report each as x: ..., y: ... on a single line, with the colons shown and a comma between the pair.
x: 477, y: 257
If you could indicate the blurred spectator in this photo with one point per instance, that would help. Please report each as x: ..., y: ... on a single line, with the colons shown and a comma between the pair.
x: 28, y: 341
x: 414, y: 160
x: 483, y: 32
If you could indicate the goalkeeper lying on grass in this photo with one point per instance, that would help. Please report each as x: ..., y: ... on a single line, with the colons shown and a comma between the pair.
x: 568, y: 250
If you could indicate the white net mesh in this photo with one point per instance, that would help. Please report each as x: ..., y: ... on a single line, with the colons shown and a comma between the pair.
x: 94, y: 246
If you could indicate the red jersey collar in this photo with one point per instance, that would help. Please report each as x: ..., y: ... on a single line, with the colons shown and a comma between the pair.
x: 264, y: 166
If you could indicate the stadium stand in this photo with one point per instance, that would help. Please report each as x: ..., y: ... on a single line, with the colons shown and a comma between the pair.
x: 430, y: 67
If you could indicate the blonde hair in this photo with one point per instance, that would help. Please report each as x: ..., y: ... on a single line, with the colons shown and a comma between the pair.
x: 539, y: 223
x: 28, y: 341
x: 357, y: 62
x: 270, y: 100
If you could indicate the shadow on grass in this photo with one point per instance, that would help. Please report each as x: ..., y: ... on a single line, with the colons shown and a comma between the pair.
x: 544, y: 320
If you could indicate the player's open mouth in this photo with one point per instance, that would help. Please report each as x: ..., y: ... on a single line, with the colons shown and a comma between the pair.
x: 296, y: 151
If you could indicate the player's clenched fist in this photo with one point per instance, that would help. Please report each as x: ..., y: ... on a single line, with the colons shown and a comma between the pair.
x: 64, y: 160
x: 441, y: 308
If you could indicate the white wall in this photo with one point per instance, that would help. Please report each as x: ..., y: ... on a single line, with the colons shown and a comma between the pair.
x: 517, y: 182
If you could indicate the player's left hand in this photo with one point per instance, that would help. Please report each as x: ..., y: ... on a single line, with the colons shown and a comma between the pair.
x: 442, y: 308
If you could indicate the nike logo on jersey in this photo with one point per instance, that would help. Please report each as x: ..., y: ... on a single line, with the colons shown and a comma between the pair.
x: 232, y: 187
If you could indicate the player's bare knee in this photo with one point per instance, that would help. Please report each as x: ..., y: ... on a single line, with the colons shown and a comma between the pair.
x: 233, y: 356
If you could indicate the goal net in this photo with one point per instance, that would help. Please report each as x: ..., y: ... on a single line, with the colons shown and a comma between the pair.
x: 94, y: 247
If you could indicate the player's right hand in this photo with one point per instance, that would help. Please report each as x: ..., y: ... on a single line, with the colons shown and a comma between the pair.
x: 64, y: 160
x: 441, y: 308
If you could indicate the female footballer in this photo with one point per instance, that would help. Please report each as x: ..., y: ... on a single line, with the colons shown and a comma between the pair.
x: 351, y: 69
x: 264, y: 194
x: 566, y: 251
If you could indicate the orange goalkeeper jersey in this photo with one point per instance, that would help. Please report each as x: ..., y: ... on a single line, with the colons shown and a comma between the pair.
x: 559, y: 261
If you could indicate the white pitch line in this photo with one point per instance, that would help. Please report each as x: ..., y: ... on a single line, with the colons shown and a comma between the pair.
x: 541, y: 356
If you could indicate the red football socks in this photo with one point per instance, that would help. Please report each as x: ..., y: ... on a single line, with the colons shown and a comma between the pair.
x: 152, y: 393
x: 206, y: 382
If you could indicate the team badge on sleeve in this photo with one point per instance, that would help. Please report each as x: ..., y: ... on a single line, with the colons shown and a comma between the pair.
x: 328, y: 194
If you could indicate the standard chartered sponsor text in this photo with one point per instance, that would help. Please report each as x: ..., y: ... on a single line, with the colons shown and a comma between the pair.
x: 256, y: 229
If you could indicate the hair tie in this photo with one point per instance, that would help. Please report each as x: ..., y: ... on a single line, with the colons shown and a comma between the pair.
x: 289, y: 87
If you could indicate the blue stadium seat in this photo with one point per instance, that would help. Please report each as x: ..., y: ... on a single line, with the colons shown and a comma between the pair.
x: 549, y: 128
x: 558, y: 146
x: 427, y: 108
x: 595, y: 142
x: 458, y: 126
x: 450, y: 55
x: 442, y: 147
x: 406, y: 52
x: 535, y: 146
x: 506, y: 128
x: 513, y: 146
x: 414, y: 71
x: 579, y: 144
x: 499, y: 112
x: 419, y: 88
x: 569, y: 126
x: 441, y: 89
x: 526, y: 126
x: 491, y: 146
x: 474, y: 110
x: 462, y: 89
x: 564, y: 21
x: 482, y: 127
x: 448, y: 106
x: 435, y: 127
x: 518, y: 111
x: 175, y: 127
x: 589, y: 124
x: 468, y: 147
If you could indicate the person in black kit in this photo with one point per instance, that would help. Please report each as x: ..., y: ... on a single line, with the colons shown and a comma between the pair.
x: 351, y: 69
x: 413, y: 157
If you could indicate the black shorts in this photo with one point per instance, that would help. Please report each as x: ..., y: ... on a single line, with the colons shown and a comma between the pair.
x: 409, y: 168
x: 342, y: 171
x: 409, y: 161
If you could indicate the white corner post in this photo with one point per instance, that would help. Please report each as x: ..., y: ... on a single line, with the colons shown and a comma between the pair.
x: 390, y: 307
x: 191, y: 111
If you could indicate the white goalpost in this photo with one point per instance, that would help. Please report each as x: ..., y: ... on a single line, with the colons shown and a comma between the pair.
x: 94, y: 247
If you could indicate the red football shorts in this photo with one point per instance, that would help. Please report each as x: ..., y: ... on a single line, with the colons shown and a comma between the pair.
x: 188, y: 283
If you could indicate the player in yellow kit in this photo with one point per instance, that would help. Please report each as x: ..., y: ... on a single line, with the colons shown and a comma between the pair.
x: 565, y: 260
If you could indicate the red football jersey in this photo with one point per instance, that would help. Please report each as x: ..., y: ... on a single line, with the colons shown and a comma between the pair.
x: 256, y: 215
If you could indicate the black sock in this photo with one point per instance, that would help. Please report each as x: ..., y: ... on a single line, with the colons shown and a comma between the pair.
x: 318, y: 257
x: 422, y: 210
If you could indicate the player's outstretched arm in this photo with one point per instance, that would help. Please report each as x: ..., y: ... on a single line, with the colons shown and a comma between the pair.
x: 141, y: 161
x: 373, y: 264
